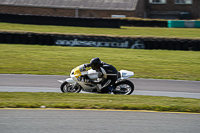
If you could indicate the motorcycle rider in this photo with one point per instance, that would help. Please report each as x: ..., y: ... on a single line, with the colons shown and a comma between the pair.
x: 107, y: 74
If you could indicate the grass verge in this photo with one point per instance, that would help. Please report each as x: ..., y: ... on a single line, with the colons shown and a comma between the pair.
x: 123, y: 31
x: 97, y: 101
x: 57, y: 60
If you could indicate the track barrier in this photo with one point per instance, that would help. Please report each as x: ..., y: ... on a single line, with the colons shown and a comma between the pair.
x: 100, y: 41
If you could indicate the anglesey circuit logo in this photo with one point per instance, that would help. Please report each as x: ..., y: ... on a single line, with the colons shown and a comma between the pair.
x: 76, y: 42
x: 138, y: 44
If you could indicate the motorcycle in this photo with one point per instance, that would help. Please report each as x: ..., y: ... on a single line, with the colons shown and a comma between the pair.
x: 74, y: 85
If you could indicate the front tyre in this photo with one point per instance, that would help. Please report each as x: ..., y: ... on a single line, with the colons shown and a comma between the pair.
x: 69, y: 87
x: 124, y: 87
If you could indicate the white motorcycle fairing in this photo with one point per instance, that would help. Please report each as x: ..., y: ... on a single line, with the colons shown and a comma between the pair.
x: 124, y: 74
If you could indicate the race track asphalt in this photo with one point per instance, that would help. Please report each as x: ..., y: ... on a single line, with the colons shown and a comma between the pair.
x: 49, y: 83
x: 95, y: 121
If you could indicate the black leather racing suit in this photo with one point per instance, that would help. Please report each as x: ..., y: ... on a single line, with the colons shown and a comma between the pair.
x: 108, y: 76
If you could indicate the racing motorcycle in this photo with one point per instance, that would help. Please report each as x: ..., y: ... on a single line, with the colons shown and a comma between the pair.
x: 74, y: 85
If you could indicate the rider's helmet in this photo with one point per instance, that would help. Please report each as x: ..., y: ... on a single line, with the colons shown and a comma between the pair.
x: 95, y: 63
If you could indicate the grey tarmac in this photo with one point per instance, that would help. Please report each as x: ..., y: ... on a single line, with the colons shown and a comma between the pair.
x: 49, y: 83
x: 94, y: 121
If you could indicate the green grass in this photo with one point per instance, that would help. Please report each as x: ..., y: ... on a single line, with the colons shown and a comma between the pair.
x: 57, y: 60
x: 123, y: 31
x: 97, y: 101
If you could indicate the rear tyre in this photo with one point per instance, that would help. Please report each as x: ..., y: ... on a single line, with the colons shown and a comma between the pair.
x: 68, y: 87
x: 124, y: 87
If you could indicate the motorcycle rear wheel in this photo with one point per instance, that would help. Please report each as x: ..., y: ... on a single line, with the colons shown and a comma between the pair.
x: 67, y: 87
x: 124, y: 87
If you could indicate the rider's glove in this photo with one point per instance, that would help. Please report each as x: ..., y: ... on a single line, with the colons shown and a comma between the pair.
x: 100, y: 75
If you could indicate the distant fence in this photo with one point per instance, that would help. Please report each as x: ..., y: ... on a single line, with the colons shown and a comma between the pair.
x: 156, y: 23
x: 62, y: 21
x: 94, y: 22
x: 100, y: 41
x: 143, y: 23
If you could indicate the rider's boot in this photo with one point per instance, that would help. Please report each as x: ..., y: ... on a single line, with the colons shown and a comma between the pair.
x: 110, y: 90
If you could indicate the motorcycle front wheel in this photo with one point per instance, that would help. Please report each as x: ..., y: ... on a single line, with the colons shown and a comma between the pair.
x: 68, y: 87
x: 125, y: 87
